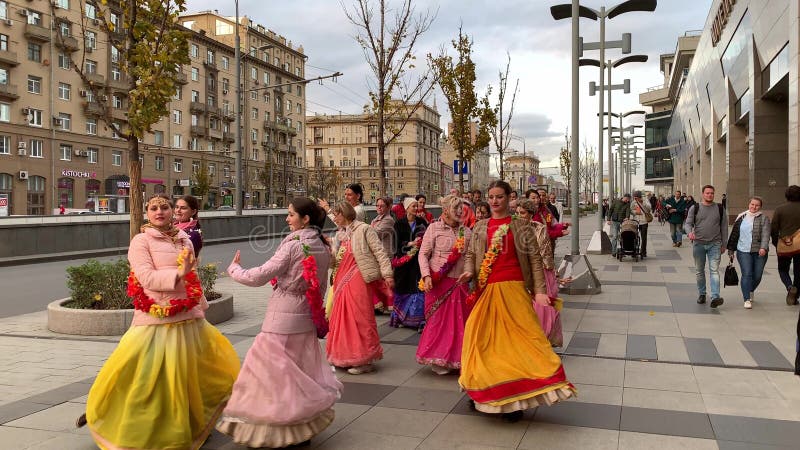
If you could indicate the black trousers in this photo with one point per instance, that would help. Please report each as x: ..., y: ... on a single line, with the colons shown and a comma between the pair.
x: 643, y: 238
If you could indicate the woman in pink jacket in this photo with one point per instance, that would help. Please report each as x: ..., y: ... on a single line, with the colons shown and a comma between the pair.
x: 285, y: 393
x: 441, y: 261
x: 167, y: 381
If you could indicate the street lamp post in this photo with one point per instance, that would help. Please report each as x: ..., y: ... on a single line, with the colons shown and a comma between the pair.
x: 524, y: 160
x: 239, y: 197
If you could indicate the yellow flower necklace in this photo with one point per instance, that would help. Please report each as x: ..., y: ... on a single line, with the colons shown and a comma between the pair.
x: 495, y: 248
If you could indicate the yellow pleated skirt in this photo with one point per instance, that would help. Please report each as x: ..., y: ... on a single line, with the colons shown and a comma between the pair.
x: 163, y: 387
x: 507, y: 363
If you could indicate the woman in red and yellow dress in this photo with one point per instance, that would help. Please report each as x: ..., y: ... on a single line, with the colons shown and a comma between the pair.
x: 166, y: 383
x: 507, y: 363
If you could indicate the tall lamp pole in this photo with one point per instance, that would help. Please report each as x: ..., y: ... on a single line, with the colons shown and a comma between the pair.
x: 239, y: 197
x: 524, y: 160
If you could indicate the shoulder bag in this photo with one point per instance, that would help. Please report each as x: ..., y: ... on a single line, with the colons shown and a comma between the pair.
x: 789, y: 245
x: 731, y: 277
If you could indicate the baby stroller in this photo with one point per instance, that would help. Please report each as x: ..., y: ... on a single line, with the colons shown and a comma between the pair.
x: 628, y: 240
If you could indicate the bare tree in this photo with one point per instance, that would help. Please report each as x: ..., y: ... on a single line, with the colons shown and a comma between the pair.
x: 147, y: 45
x: 566, y: 164
x: 324, y: 182
x: 588, y: 172
x: 388, y: 44
x: 501, y: 133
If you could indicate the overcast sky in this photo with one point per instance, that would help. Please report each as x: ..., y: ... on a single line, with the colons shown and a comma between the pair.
x: 539, y: 48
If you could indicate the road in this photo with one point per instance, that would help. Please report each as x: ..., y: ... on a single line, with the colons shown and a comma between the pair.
x: 29, y: 288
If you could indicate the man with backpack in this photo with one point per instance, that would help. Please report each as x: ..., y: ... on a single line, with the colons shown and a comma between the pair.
x: 619, y: 211
x: 707, y: 224
x: 676, y: 208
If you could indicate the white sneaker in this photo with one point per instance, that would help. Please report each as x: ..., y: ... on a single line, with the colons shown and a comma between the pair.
x: 439, y: 370
x: 748, y: 304
x: 361, y: 369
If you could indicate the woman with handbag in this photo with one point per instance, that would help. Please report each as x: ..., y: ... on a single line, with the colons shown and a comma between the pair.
x: 786, y: 238
x: 749, y: 240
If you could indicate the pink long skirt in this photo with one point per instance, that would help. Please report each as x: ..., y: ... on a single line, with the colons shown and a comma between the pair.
x: 353, y: 338
x: 440, y: 343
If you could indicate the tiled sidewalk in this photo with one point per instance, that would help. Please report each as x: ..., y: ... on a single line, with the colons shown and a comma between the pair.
x: 653, y: 370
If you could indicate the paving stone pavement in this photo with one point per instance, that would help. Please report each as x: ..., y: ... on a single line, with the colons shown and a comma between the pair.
x: 653, y: 370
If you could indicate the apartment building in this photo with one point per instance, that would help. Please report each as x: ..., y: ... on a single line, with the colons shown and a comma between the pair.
x: 347, y: 145
x: 519, y: 168
x: 55, y: 150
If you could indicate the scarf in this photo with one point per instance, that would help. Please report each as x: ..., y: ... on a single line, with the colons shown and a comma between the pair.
x: 186, y: 225
x: 171, y: 231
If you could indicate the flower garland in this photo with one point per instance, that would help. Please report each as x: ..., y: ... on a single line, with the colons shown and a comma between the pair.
x: 140, y: 300
x: 397, y: 262
x: 455, y: 254
x: 313, y: 294
x: 495, y: 248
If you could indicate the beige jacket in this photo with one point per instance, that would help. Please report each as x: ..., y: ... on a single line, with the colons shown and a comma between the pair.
x: 528, y: 253
x: 371, y: 259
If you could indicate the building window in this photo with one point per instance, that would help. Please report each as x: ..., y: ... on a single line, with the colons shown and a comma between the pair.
x: 66, y: 152
x: 91, y: 126
x: 194, y: 51
x: 116, y: 157
x: 225, y: 62
x: 177, y: 116
x: 116, y: 73
x: 159, y: 163
x: 158, y: 138
x: 255, y: 154
x: 66, y: 121
x: 34, y: 17
x: 177, y: 141
x: 34, y: 84
x: 195, y: 74
x: 36, y: 190
x: 64, y: 91
x: 254, y: 73
x: 210, y: 56
x: 253, y: 95
x: 91, y: 40
x: 90, y: 66
x: 91, y: 155
x: 35, y: 117
x: 36, y: 148
x: 177, y: 166
x: 5, y: 112
x: 254, y: 114
x: 5, y: 145
x: 3, y: 10
x: 117, y: 101
x: 64, y: 61
x: 91, y: 11
x: 254, y: 134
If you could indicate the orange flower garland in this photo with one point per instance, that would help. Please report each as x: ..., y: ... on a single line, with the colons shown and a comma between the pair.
x: 397, y: 262
x: 140, y: 300
x: 455, y: 254
x: 495, y: 248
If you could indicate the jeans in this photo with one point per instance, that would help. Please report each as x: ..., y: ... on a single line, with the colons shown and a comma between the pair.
x: 700, y: 253
x: 643, y: 237
x: 783, y: 270
x: 752, y: 266
x: 614, y: 236
x: 675, y: 230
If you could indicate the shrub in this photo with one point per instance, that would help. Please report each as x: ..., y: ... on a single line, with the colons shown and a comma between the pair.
x: 96, y: 285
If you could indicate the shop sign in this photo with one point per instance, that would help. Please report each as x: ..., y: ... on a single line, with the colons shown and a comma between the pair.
x: 152, y: 181
x: 78, y: 174
x: 3, y: 205
x: 124, y: 184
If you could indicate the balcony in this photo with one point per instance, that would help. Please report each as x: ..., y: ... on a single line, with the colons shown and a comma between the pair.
x: 210, y: 65
x: 198, y: 107
x: 96, y: 79
x: 8, y: 58
x: 92, y: 109
x: 67, y: 43
x: 228, y: 137
x: 37, y: 32
x: 198, y: 130
x: 119, y: 114
x: 214, y: 134
x: 122, y: 84
x: 216, y: 112
x: 269, y: 125
x: 265, y: 144
x: 8, y: 91
x: 229, y: 116
x: 286, y: 129
x: 181, y: 77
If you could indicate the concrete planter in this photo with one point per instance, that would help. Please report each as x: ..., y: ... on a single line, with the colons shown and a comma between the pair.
x: 114, y: 322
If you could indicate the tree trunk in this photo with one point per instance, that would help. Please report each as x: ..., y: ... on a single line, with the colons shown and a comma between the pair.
x: 384, y: 186
x: 135, y: 190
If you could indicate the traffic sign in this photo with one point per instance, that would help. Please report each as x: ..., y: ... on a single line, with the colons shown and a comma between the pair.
x: 464, y: 166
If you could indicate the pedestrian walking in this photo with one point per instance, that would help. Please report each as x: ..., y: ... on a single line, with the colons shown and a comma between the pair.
x: 619, y: 211
x: 676, y: 208
x: 749, y: 241
x: 186, y: 210
x: 641, y: 212
x: 353, y: 339
x: 285, y: 392
x: 383, y: 224
x: 707, y: 224
x: 507, y: 363
x: 441, y: 261
x: 167, y: 381
x: 421, y: 211
x: 409, y: 300
x: 785, y: 226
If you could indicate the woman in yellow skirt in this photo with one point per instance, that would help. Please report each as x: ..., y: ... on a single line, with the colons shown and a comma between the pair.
x: 166, y: 383
x: 507, y: 363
